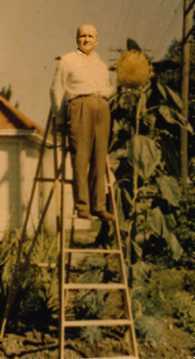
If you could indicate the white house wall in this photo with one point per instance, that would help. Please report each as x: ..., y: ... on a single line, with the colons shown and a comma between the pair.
x: 18, y: 158
x: 4, y: 191
x: 18, y: 163
x: 10, y: 186
x: 29, y: 153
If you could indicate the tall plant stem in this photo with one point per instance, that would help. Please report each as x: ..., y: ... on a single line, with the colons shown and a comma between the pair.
x: 137, y: 129
x: 135, y: 178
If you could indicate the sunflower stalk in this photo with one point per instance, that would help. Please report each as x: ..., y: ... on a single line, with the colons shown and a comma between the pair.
x: 139, y: 111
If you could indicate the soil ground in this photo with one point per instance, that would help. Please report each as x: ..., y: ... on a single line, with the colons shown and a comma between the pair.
x: 163, y: 309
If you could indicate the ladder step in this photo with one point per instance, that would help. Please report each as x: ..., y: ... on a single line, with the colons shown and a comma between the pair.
x: 97, y: 323
x: 102, y: 286
x: 90, y: 250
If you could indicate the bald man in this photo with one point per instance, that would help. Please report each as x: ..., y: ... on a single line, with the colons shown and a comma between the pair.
x: 81, y: 80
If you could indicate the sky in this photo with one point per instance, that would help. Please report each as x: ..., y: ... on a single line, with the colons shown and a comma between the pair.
x: 34, y: 32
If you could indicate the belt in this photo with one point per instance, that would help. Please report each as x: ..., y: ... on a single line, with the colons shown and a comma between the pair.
x: 88, y: 95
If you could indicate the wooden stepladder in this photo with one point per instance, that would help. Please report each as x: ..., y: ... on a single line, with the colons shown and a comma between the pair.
x: 58, y: 142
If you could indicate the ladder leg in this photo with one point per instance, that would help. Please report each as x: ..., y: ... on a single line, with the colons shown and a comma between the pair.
x: 42, y: 151
x: 11, y: 291
x: 55, y: 152
x: 62, y: 255
x: 124, y: 271
x: 64, y: 264
x: 71, y: 241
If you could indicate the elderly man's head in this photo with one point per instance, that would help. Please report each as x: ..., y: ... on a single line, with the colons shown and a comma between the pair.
x: 86, y: 38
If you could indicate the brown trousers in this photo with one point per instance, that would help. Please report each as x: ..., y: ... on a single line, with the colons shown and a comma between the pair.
x: 89, y: 127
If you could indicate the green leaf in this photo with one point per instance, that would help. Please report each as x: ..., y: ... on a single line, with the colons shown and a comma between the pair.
x: 175, y: 98
x: 120, y: 211
x: 162, y: 90
x: 158, y: 226
x: 169, y: 189
x: 118, y: 126
x: 183, y: 122
x: 174, y: 246
x: 174, y: 117
x: 180, y: 118
x: 144, y: 155
x: 137, y: 249
x: 157, y: 223
x: 127, y: 196
x: 171, y: 221
x: 150, y: 120
x: 189, y: 128
x: 93, y: 335
x: 141, y: 105
x: 166, y: 113
x: 123, y: 102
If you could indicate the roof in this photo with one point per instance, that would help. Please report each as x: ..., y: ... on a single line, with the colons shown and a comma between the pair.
x: 12, y: 118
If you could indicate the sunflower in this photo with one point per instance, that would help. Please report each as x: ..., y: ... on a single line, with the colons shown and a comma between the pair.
x: 133, y: 69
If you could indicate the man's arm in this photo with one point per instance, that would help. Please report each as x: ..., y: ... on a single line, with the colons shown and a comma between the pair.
x: 111, y: 88
x: 57, y: 91
x: 108, y: 89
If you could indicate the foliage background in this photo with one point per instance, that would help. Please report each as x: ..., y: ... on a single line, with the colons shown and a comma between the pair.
x: 158, y: 232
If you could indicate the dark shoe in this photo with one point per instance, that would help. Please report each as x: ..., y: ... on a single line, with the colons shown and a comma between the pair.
x: 84, y: 215
x: 104, y: 215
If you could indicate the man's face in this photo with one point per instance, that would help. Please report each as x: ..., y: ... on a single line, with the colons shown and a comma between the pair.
x: 87, y: 39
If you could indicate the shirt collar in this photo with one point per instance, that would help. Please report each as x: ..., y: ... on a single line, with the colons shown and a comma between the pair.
x: 81, y: 53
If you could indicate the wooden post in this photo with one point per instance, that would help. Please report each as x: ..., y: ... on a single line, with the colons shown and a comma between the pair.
x: 187, y: 27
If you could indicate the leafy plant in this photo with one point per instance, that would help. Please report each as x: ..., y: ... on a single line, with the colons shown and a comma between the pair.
x: 35, y: 288
x: 145, y: 162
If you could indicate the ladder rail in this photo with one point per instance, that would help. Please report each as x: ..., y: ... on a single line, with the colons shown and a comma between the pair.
x: 12, y: 287
x: 58, y: 181
x: 61, y: 255
x: 42, y: 150
x: 123, y: 268
x: 106, y: 286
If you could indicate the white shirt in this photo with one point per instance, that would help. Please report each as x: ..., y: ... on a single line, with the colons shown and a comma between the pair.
x: 78, y: 74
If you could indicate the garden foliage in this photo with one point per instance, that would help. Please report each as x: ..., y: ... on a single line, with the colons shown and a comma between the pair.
x: 156, y: 222
x: 145, y: 159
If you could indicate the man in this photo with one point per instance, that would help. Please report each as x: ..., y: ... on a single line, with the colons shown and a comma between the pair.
x: 81, y: 80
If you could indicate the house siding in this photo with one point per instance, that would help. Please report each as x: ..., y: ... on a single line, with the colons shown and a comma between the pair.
x: 19, y: 157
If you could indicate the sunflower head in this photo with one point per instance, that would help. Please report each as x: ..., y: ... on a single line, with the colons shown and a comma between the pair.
x: 133, y: 69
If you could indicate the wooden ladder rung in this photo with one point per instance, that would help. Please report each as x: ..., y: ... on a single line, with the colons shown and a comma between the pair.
x: 97, y: 323
x: 91, y: 250
x: 102, y: 286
